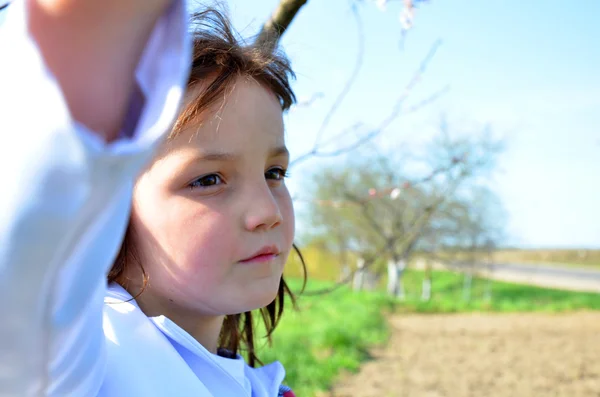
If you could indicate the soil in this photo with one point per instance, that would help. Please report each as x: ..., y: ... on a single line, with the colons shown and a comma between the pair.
x: 483, y: 355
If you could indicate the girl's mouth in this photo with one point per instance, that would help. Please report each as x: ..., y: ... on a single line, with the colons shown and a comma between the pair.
x: 265, y: 254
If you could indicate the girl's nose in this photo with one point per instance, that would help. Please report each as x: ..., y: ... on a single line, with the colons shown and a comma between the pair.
x: 262, y: 210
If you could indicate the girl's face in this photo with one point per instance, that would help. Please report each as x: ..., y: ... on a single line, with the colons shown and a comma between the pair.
x: 212, y: 217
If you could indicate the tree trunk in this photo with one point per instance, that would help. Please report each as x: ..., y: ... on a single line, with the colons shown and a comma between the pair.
x: 426, y: 289
x: 401, y: 267
x: 371, y: 280
x: 393, y: 278
x: 468, y: 282
x: 395, y: 282
x: 345, y: 272
x: 488, y: 282
x: 468, y: 278
x: 279, y: 21
x: 488, y: 289
x: 359, y: 275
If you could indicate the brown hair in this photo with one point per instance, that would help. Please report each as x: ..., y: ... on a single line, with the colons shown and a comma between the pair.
x: 219, y: 58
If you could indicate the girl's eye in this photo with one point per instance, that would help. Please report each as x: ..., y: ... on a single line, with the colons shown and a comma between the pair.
x: 206, y: 181
x: 277, y: 174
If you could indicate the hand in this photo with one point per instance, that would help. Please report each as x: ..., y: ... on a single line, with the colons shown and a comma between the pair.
x: 93, y: 47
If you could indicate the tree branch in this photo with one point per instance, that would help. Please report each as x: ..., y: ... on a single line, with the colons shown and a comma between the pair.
x: 351, y: 80
x: 394, y: 114
x: 279, y: 21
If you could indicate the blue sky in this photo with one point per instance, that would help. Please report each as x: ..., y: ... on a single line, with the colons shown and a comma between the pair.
x: 529, y: 69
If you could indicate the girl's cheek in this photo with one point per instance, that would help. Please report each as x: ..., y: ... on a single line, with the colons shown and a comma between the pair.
x: 287, y: 209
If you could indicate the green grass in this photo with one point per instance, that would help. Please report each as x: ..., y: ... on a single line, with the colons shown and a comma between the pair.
x: 447, y: 296
x: 332, y: 333
x: 327, y: 335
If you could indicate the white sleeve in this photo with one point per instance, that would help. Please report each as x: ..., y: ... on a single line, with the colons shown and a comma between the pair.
x: 64, y: 204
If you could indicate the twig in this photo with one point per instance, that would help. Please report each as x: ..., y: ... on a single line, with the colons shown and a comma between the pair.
x: 427, y: 101
x: 456, y: 161
x: 396, y: 111
x: 344, y: 281
x: 351, y: 80
x: 309, y: 101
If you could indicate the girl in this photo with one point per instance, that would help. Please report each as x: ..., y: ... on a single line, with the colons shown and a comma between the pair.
x: 211, y: 223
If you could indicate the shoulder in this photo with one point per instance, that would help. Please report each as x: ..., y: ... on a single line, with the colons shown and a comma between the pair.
x: 268, y: 380
x: 136, y: 349
x: 285, y: 391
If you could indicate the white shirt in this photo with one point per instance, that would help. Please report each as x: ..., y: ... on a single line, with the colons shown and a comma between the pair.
x: 65, y: 198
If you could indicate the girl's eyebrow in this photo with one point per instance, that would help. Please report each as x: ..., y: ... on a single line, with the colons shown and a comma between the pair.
x: 279, y: 151
x: 229, y: 156
x: 216, y: 156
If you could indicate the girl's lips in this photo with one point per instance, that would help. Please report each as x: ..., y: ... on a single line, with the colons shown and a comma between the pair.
x: 265, y: 254
x: 260, y: 258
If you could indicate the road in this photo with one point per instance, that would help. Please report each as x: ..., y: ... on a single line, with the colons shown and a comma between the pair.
x: 543, y: 275
x: 570, y: 278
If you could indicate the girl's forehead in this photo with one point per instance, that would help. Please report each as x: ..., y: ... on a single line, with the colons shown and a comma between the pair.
x: 249, y: 119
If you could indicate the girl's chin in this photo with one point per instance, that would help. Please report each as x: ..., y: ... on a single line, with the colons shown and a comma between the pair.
x: 257, y: 299
x: 256, y: 302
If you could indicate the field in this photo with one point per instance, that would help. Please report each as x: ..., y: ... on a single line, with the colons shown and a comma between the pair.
x: 579, y: 258
x: 331, y: 335
x: 504, y: 355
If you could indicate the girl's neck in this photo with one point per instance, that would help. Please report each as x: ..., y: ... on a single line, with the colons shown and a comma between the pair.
x: 204, y: 328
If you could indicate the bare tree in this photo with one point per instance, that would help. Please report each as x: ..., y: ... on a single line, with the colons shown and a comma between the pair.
x: 473, y: 226
x: 384, y: 215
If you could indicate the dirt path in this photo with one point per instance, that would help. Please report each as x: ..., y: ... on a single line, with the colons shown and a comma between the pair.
x: 523, y: 355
